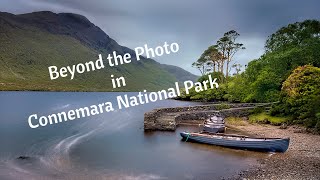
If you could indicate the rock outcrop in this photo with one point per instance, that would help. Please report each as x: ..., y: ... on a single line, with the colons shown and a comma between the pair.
x: 167, y: 119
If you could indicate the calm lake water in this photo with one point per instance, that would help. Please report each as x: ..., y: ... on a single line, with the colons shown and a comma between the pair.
x: 111, y: 145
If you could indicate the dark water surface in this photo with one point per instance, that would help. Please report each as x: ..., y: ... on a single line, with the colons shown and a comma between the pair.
x: 111, y: 145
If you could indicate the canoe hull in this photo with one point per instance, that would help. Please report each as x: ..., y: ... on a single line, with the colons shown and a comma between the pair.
x: 265, y: 145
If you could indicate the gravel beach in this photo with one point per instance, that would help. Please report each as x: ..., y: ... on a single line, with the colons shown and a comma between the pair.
x: 301, y: 161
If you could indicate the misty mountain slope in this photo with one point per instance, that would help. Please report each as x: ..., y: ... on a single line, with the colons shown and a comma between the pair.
x: 30, y: 43
x: 181, y: 74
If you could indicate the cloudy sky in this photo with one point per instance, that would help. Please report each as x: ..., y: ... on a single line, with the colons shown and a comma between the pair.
x: 193, y: 24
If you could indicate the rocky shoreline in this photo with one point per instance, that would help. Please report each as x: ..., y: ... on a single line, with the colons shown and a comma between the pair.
x: 167, y: 119
x: 301, y: 161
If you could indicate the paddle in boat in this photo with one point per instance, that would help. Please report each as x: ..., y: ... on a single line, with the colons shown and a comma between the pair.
x: 239, y: 141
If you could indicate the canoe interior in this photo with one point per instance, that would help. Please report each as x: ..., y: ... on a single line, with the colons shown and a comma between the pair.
x: 239, y: 141
x: 233, y: 136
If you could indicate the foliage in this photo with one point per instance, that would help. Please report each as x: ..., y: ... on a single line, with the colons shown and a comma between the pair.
x: 317, y: 127
x: 263, y: 78
x: 301, y: 96
x: 220, y: 77
x: 288, y: 73
x: 202, y: 65
x: 208, y: 95
x: 293, y: 35
x: 267, y: 119
x: 214, y: 58
x: 228, y: 47
x: 257, y: 110
x: 237, y: 89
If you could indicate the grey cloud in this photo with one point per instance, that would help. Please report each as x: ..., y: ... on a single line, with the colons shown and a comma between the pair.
x: 193, y: 24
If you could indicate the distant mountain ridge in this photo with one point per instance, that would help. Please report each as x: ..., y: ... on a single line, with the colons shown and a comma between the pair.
x: 32, y: 42
x: 181, y: 74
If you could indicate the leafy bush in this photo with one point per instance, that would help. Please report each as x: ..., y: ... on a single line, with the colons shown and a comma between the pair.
x: 301, y: 96
x: 318, y: 122
x: 237, y: 89
x: 220, y: 77
x: 280, y: 75
x: 257, y: 110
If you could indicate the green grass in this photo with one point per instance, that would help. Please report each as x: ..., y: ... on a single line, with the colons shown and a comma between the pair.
x: 236, y: 121
x: 265, y: 118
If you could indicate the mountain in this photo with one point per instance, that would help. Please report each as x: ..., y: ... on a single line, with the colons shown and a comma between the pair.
x: 181, y: 74
x: 32, y: 42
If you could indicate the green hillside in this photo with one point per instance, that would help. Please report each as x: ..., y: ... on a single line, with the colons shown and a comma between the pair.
x: 31, y: 43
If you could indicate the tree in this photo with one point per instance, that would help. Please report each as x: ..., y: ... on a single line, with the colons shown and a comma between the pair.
x: 293, y: 35
x: 237, y: 67
x: 266, y: 74
x: 272, y: 77
x: 229, y: 47
x: 218, y: 55
x: 210, y: 54
x: 200, y: 65
x: 210, y: 60
x: 215, y: 57
x: 203, y: 65
x: 222, y: 47
x: 301, y: 96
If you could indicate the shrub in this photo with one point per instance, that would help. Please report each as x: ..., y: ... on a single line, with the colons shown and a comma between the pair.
x: 301, y: 96
x: 318, y: 122
x: 257, y: 110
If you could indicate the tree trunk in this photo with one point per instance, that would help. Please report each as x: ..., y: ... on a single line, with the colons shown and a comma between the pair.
x: 227, y: 71
x: 203, y: 70
x: 222, y: 64
x: 221, y: 70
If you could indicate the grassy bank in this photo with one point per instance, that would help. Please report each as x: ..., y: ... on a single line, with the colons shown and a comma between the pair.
x: 267, y: 119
